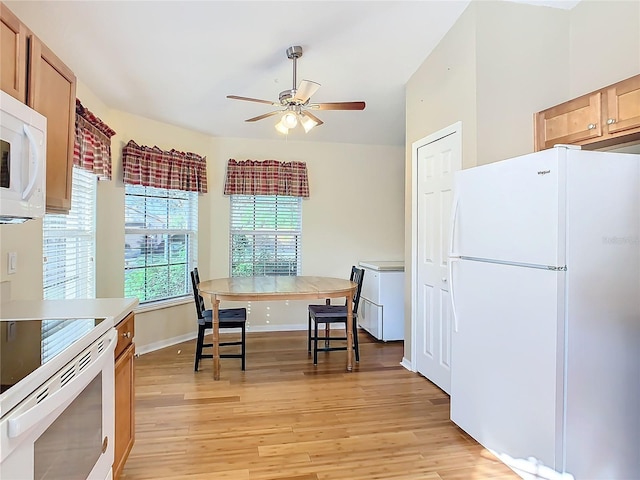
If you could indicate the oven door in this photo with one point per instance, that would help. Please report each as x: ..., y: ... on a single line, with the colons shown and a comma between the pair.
x: 65, y: 429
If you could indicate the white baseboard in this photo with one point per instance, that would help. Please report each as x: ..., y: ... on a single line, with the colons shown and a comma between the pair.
x: 152, y: 347
x: 407, y: 364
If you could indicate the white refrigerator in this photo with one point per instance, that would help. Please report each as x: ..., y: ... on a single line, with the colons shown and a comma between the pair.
x: 545, y: 286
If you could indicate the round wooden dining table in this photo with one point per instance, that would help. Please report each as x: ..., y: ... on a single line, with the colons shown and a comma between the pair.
x: 277, y: 288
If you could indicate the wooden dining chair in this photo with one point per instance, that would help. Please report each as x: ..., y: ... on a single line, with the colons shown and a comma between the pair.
x: 228, y: 318
x: 329, y: 314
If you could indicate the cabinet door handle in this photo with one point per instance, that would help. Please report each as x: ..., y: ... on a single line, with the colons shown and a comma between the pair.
x: 126, y: 334
x: 611, y: 121
x: 591, y: 126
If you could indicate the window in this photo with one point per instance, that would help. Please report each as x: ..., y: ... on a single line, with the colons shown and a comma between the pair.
x: 68, y: 263
x: 69, y: 244
x: 265, y: 235
x: 160, y: 242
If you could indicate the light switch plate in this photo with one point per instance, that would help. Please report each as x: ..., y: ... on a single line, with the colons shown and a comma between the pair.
x: 12, y: 262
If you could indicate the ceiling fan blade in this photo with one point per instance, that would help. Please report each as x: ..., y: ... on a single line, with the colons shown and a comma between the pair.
x: 260, y: 117
x: 305, y: 90
x: 313, y: 117
x: 248, y: 99
x: 338, y: 106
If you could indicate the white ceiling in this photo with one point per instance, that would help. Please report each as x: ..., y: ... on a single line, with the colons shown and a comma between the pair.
x: 175, y: 61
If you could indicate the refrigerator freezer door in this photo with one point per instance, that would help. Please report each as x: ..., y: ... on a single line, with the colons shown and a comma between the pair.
x: 504, y: 367
x: 511, y: 210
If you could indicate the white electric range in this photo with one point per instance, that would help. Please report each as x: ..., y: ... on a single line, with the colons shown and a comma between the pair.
x: 57, y: 398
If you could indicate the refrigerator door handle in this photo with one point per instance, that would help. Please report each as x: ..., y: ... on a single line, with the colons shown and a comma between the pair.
x: 454, y: 217
x: 452, y: 258
x: 451, y: 286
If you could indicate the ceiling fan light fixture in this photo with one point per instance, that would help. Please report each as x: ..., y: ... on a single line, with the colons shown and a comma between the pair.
x: 307, y: 122
x: 289, y: 120
x: 281, y: 128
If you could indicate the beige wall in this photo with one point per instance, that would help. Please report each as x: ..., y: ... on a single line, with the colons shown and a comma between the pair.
x: 522, y: 64
x: 443, y: 91
x: 355, y: 212
x: 604, y: 44
x: 501, y: 63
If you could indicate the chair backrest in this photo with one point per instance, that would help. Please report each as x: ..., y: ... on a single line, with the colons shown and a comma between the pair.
x: 195, y: 272
x: 357, y: 275
x: 200, y: 308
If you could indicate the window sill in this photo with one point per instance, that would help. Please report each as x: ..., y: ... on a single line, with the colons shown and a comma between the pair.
x: 160, y: 304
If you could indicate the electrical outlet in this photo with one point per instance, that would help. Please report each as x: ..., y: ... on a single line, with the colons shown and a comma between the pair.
x: 12, y: 262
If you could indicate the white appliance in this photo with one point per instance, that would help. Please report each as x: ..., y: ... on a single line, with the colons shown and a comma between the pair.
x: 381, y: 309
x: 23, y: 144
x: 545, y: 286
x: 57, y: 403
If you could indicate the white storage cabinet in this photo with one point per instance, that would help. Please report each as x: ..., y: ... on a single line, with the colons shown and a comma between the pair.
x: 381, y: 308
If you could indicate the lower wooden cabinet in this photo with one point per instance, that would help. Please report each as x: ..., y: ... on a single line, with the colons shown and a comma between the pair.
x: 124, y: 395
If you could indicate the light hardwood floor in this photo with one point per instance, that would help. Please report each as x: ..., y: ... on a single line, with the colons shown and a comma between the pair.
x: 285, y: 419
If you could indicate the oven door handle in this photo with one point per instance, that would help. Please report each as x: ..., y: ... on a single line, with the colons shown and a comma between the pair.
x: 65, y: 394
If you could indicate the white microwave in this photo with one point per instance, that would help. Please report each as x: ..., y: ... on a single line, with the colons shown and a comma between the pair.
x: 23, y: 146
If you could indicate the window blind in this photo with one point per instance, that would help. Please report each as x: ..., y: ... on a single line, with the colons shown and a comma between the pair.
x: 69, y: 244
x: 265, y: 235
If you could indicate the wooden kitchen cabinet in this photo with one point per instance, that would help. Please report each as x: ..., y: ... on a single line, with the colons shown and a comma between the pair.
x: 33, y: 74
x: 622, y: 109
x: 52, y: 92
x: 602, y: 118
x: 124, y: 394
x: 13, y: 55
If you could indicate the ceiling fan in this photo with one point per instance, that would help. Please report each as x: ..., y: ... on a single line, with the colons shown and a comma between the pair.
x: 294, y: 103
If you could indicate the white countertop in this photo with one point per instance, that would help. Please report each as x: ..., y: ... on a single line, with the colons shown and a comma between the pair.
x: 384, y: 265
x: 118, y: 308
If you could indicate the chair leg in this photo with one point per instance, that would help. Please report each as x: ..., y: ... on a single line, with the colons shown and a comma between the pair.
x: 327, y: 327
x: 199, y: 344
x: 309, y: 335
x: 355, y: 339
x: 244, y: 351
x: 315, y: 343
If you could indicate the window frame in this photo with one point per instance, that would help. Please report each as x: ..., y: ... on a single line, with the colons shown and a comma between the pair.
x: 151, y: 247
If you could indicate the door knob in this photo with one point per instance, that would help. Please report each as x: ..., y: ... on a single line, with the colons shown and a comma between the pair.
x: 444, y: 279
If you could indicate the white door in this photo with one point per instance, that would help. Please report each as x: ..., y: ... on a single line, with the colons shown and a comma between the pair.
x: 435, y: 159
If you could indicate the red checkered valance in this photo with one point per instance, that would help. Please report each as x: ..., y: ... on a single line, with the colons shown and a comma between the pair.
x: 174, y: 170
x: 267, y: 177
x: 92, y: 145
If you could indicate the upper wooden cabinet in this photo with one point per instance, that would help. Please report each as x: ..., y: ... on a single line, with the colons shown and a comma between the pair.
x: 13, y: 48
x: 606, y: 117
x: 622, y: 109
x: 33, y: 74
x: 52, y: 92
